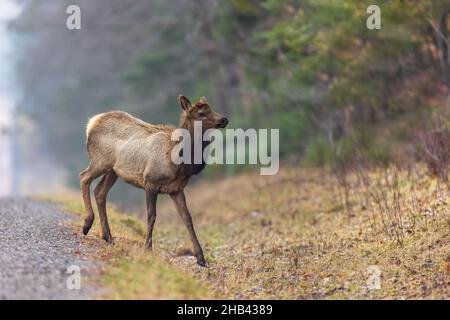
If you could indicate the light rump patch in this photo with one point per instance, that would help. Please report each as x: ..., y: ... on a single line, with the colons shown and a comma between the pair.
x: 93, y: 122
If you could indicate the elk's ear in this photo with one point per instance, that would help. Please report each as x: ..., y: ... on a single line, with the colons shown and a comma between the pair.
x: 202, y: 100
x: 184, y: 103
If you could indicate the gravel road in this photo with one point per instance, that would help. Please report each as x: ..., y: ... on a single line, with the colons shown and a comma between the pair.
x: 36, y: 250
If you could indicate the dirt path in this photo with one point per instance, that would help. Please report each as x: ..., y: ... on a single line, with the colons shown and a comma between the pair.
x: 36, y: 250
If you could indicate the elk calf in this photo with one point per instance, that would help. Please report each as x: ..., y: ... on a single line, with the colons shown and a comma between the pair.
x: 120, y: 145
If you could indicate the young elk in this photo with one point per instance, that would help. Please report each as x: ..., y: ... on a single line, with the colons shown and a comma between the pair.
x: 120, y: 145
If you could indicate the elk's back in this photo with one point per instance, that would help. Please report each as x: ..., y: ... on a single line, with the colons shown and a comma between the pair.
x: 111, y: 134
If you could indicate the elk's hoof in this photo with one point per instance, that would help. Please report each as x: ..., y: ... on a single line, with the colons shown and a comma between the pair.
x: 202, y: 262
x: 86, y: 230
x: 148, y: 248
x: 108, y: 239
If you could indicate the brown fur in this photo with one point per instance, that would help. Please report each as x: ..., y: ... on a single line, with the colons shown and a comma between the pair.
x: 120, y: 145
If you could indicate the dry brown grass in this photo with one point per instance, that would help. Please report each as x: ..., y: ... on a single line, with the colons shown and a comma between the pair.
x: 290, y: 236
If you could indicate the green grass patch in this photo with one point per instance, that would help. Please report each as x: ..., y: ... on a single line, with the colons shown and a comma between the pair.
x: 130, y: 272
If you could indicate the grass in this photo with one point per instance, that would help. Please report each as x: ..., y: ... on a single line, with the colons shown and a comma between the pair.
x: 129, y: 272
x: 288, y: 236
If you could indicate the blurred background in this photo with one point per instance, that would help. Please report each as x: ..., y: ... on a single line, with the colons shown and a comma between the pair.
x: 310, y: 68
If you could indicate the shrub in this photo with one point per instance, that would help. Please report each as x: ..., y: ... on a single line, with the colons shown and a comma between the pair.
x: 319, y: 152
x: 435, y: 152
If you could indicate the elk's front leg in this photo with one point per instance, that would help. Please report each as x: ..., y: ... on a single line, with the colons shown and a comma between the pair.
x: 151, y: 217
x: 180, y: 203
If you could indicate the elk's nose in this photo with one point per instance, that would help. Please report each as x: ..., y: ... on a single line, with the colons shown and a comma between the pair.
x: 224, y: 121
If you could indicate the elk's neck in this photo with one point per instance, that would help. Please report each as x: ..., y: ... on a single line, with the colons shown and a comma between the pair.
x: 193, y: 168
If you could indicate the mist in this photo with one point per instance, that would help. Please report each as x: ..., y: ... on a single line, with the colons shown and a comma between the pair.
x: 26, y: 168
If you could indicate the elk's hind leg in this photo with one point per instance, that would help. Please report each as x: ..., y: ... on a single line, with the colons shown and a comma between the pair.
x: 86, y: 177
x: 101, y: 192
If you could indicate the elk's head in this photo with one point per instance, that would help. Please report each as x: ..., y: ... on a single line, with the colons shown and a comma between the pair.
x: 201, y: 111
